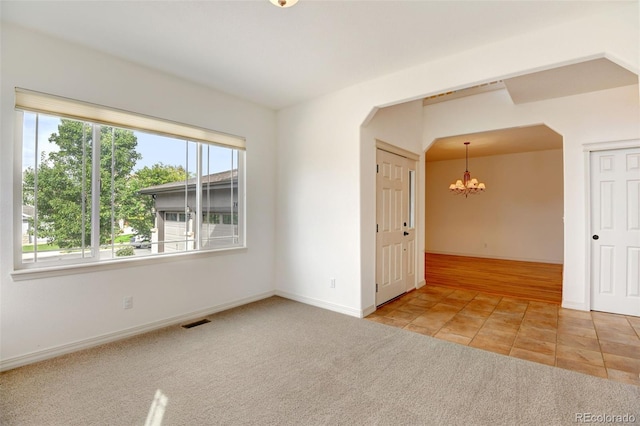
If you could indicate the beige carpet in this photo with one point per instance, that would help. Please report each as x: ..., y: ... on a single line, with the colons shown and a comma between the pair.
x: 282, y: 362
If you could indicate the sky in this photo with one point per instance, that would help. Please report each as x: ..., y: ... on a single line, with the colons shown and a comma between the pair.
x: 154, y: 148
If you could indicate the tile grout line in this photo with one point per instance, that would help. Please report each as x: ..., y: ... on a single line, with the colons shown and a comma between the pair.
x: 485, y: 320
x: 604, y: 362
x: 555, y: 358
x: 632, y: 327
x: 439, y: 299
x: 457, y: 313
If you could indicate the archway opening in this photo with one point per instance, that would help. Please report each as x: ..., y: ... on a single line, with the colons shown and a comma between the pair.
x: 509, y: 239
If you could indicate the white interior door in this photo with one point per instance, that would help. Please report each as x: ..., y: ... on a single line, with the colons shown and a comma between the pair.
x: 615, y: 231
x: 395, y: 237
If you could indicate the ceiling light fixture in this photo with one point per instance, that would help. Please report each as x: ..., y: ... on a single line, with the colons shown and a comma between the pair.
x: 467, y: 185
x: 284, y: 3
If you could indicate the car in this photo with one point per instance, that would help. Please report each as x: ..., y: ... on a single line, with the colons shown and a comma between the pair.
x: 140, y: 241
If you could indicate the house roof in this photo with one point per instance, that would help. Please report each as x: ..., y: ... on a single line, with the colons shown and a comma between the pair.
x: 215, y: 179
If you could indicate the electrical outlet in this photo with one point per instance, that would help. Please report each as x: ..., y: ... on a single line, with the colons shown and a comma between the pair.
x: 333, y: 283
x: 127, y: 302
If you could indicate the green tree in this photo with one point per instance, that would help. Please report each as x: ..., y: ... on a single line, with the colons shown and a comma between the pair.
x: 137, y: 209
x: 64, y: 183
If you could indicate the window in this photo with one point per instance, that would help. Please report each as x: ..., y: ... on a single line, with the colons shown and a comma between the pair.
x: 212, y: 218
x: 175, y: 217
x: 93, y: 190
x: 412, y: 198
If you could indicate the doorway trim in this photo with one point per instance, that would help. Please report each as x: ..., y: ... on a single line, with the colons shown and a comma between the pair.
x: 588, y: 148
x: 415, y: 159
x: 397, y: 150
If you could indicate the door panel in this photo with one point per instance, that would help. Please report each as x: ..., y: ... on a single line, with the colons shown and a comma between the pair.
x: 633, y: 277
x: 615, y: 218
x: 395, y: 255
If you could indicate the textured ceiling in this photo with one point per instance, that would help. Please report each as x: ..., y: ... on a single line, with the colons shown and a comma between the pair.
x: 587, y: 76
x: 279, y: 57
x: 495, y: 142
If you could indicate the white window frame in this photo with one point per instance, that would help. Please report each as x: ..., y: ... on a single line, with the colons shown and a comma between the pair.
x: 100, y: 115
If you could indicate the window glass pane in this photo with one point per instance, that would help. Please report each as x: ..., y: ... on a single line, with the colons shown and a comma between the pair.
x: 189, y: 217
x: 56, y: 190
x: 412, y: 198
x: 29, y: 156
x: 219, y: 197
x: 157, y: 196
x: 149, y: 199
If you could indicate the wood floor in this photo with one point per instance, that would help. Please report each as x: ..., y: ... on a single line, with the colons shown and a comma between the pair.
x: 526, y: 280
x: 599, y: 344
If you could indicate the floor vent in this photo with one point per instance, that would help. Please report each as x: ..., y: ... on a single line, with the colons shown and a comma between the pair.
x: 195, y: 324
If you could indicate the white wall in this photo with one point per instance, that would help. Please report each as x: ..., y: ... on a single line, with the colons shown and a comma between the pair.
x: 399, y: 125
x: 608, y: 115
x: 320, y: 214
x: 39, y: 317
x: 321, y: 171
x: 519, y: 217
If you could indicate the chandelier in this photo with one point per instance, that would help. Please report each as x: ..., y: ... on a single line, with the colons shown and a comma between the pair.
x: 467, y: 185
x: 284, y: 3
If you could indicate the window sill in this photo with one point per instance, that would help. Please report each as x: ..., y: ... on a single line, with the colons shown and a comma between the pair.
x: 106, y: 265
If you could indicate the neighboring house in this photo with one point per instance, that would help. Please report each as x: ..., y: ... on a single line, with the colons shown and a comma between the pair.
x: 27, y: 226
x: 175, y: 228
x: 27, y: 215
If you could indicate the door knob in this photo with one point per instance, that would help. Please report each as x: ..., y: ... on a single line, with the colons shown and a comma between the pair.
x: 595, y: 237
x: 406, y: 233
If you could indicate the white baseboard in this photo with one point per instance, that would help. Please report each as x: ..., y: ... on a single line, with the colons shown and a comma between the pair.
x: 19, y: 361
x: 321, y: 304
x: 421, y: 284
x: 368, y: 311
x: 579, y: 306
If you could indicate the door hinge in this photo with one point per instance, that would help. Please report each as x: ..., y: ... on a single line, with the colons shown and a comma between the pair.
x: 376, y: 287
x: 377, y: 168
x: 376, y: 227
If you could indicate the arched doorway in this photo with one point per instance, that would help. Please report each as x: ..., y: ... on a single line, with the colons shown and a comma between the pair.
x: 509, y: 239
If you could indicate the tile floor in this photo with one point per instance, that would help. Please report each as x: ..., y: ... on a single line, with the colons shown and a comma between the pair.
x: 600, y: 344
